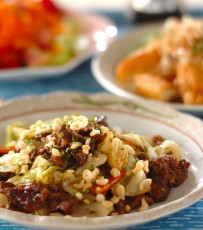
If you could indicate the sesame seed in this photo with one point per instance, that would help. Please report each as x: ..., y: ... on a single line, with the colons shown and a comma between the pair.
x: 70, y: 171
x: 86, y: 186
x: 24, y: 151
x: 11, y: 152
x: 95, y: 173
x: 115, y: 199
x: 94, y: 132
x: 30, y: 148
x: 55, y: 127
x: 24, y: 133
x: 120, y: 191
x: 66, y: 118
x: 55, y: 152
x: 23, y: 169
x: 74, y: 126
x: 40, y: 130
x: 130, y: 149
x: 127, y: 208
x: 79, y: 122
x: 21, y: 144
x: 57, y: 120
x: 76, y: 145
x: 146, y: 166
x: 85, y: 149
x: 145, y: 185
x: 50, y: 144
x: 100, y: 198
x: 107, y: 203
x: 58, y: 177
x: 115, y: 172
x: 79, y: 195
x: 144, y: 205
x: 102, y: 181
x: 114, y: 213
x: 104, y: 129
x: 39, y: 123
x: 87, y: 174
x: 87, y: 142
x: 32, y: 126
x: 86, y: 201
x: 139, y: 166
x: 80, y: 185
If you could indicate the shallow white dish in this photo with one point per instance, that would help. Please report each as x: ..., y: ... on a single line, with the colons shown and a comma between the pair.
x: 98, y: 33
x: 103, y: 66
x: 138, y: 116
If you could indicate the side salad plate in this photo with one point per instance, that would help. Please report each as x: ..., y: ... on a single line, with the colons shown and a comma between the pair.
x: 139, y: 117
x: 97, y: 32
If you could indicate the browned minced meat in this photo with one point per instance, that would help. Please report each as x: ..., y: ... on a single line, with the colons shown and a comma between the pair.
x: 120, y: 207
x: 59, y: 161
x: 39, y: 137
x: 157, y: 139
x: 166, y: 172
x: 101, y: 120
x: 44, y: 152
x: 81, y: 158
x: 64, y: 137
x: 135, y: 202
x: 6, y: 175
x: 32, y: 197
x: 87, y: 129
x: 98, y: 138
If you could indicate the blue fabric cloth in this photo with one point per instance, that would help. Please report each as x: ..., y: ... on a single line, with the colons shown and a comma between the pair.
x: 81, y: 79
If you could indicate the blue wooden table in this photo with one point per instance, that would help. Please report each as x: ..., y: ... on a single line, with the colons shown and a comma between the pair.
x: 81, y: 79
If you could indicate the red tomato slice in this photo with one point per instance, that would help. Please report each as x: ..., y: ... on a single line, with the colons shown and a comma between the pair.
x: 49, y: 5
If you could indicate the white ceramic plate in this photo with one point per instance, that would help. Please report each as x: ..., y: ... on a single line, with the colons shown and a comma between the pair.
x: 98, y: 33
x: 140, y: 116
x: 103, y: 66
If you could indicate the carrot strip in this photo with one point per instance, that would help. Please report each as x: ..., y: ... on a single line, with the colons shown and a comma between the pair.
x: 97, y: 189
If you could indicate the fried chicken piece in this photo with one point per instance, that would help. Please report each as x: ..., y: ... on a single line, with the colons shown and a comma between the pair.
x: 154, y: 87
x: 140, y: 62
x: 189, y: 81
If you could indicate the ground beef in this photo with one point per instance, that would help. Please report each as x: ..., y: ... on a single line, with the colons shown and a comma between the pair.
x: 5, y: 185
x: 135, y: 202
x: 98, y: 138
x: 61, y: 202
x: 81, y: 158
x: 44, y: 152
x: 87, y: 129
x: 41, y: 135
x: 59, y: 161
x: 166, y: 172
x: 157, y: 140
x: 63, y: 137
x: 32, y: 197
x: 120, y: 207
x: 6, y: 175
x: 101, y: 120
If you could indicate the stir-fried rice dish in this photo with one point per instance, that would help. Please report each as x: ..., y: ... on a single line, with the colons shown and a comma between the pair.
x: 80, y: 166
